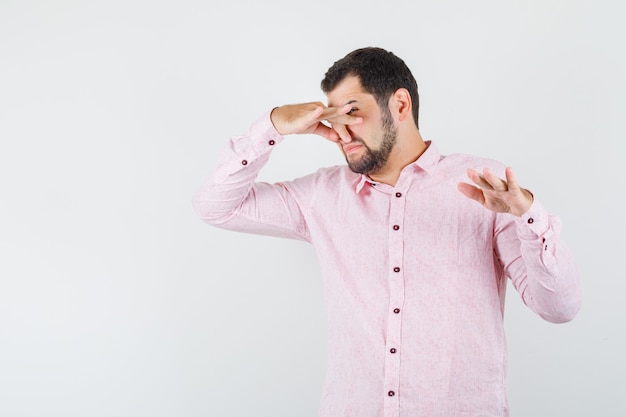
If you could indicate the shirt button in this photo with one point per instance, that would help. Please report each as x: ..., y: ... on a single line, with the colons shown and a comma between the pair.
x: 244, y: 162
x: 396, y: 310
x: 531, y: 220
x: 396, y: 269
x: 391, y: 393
x: 392, y: 350
x: 271, y: 142
x: 398, y: 195
x: 396, y: 227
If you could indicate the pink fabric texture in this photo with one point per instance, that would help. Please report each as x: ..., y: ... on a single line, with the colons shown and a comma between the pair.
x: 414, y: 275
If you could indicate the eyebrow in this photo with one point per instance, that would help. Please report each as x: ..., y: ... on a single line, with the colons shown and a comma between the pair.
x: 346, y: 103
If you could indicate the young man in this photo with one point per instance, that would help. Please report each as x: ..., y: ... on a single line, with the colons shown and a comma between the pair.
x: 414, y: 270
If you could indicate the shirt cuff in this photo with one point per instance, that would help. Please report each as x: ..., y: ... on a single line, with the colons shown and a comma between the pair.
x: 263, y: 135
x: 534, y: 223
x: 248, y: 152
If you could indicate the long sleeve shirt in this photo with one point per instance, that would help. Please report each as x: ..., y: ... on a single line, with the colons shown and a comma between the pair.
x: 414, y: 275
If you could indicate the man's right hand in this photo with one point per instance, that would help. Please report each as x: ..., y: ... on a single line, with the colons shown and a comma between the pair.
x: 307, y: 118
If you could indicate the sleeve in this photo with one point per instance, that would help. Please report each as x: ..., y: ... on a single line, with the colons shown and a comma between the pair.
x: 231, y: 199
x: 538, y: 263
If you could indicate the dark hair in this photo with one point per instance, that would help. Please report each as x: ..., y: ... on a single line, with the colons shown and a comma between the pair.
x: 381, y: 73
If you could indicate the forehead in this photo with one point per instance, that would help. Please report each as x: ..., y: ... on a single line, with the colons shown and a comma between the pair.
x: 349, y: 89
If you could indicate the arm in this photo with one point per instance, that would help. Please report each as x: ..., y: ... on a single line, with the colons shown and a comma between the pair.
x: 539, y: 264
x: 528, y: 245
x: 232, y: 199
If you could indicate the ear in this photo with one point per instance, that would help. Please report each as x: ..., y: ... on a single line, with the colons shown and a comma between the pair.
x: 400, y: 104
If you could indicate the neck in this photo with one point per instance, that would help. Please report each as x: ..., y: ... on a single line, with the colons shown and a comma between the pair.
x: 406, y: 151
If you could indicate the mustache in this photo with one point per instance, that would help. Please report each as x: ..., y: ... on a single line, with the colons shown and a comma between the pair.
x: 355, y: 139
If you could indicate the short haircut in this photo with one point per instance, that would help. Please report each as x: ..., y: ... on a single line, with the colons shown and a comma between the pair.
x: 381, y: 73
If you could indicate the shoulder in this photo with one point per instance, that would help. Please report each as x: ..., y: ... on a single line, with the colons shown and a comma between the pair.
x: 325, y: 183
x: 459, y: 163
x: 337, y: 172
x: 328, y: 177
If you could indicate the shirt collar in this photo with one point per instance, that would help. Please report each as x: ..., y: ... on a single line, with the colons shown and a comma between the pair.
x: 427, y: 162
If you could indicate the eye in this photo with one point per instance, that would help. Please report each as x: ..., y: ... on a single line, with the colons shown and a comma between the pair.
x: 352, y: 110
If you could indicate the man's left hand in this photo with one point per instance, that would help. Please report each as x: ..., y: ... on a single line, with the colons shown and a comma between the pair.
x: 497, y: 194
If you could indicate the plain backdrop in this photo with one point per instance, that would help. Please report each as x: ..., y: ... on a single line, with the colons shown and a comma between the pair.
x: 115, y: 300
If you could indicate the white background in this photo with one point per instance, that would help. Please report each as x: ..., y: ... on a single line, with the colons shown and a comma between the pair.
x: 115, y: 300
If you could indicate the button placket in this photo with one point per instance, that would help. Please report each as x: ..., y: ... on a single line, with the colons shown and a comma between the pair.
x: 396, y: 299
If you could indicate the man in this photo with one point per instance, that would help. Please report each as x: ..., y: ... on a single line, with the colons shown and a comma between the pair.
x: 414, y: 270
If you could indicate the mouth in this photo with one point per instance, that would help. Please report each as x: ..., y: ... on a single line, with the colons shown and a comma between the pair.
x: 351, y: 148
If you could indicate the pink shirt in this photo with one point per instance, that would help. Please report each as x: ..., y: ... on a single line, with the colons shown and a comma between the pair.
x: 414, y: 275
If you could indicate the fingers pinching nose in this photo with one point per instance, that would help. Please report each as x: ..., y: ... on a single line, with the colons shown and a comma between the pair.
x: 343, y: 133
x: 346, y: 138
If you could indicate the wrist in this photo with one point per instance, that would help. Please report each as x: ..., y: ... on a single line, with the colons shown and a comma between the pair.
x: 528, y: 199
x: 275, y: 119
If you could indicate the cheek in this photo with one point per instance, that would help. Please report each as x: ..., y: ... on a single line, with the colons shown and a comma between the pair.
x: 361, y: 130
x: 366, y: 134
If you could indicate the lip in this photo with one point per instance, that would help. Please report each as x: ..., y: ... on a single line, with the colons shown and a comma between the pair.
x: 351, y: 148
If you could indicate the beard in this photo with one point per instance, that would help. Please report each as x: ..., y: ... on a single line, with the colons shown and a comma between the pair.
x: 373, y: 160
